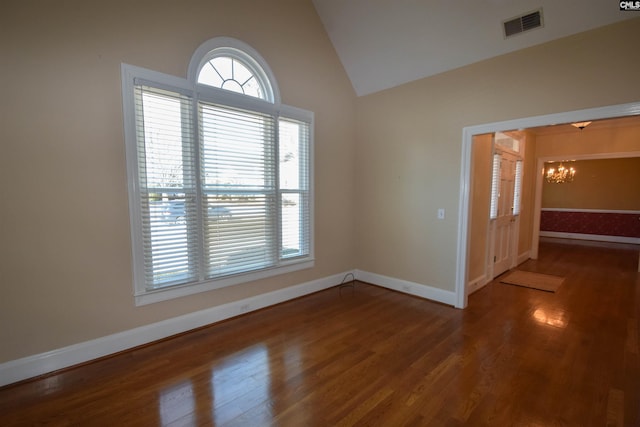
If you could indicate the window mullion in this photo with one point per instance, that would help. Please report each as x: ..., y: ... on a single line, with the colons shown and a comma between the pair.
x: 302, y: 179
x: 278, y: 192
x: 190, y: 178
x: 197, y: 147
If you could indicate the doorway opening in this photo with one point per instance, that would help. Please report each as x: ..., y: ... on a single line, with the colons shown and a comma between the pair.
x: 462, y: 256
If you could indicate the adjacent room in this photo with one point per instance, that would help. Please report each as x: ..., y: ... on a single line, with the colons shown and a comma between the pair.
x: 304, y: 212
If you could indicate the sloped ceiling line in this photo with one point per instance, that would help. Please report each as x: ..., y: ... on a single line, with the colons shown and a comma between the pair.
x: 385, y: 43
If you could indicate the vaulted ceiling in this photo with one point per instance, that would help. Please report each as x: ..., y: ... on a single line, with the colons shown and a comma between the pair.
x: 385, y: 43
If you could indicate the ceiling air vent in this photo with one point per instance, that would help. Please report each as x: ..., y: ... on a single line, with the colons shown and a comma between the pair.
x: 523, y: 23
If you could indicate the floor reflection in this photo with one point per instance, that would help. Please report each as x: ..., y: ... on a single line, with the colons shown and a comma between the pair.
x: 177, y: 403
x: 238, y: 389
x: 553, y: 318
x: 241, y: 386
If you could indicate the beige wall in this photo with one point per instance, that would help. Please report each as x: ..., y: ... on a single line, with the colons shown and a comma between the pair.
x: 598, y: 139
x: 65, y: 260
x: 608, y: 184
x: 599, y: 184
x: 409, y: 140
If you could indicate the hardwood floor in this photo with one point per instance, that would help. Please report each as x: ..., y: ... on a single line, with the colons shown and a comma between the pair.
x: 370, y: 356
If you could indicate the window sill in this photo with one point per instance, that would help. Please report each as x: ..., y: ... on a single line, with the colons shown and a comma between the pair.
x: 158, y: 295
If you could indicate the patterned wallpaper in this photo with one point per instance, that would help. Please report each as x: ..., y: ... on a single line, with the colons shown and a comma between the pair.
x: 599, y: 223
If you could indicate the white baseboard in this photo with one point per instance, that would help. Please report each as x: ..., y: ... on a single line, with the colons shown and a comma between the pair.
x: 43, y: 363
x: 608, y: 211
x: 595, y: 237
x: 523, y: 257
x: 477, y: 283
x: 411, y: 288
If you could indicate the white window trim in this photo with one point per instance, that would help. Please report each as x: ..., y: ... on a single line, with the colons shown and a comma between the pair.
x: 130, y: 74
x: 240, y: 50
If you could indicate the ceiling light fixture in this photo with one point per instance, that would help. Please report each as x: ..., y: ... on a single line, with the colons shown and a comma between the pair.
x: 561, y: 175
x: 581, y: 125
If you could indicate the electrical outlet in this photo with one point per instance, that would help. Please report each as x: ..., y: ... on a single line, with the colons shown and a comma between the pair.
x: 441, y: 213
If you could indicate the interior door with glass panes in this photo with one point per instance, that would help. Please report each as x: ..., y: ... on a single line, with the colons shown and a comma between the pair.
x: 504, y: 216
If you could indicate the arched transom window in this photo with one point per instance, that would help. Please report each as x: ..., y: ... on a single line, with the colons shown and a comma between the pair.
x: 229, y: 64
x: 229, y: 73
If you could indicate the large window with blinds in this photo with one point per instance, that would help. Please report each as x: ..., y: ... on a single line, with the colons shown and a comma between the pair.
x: 220, y: 183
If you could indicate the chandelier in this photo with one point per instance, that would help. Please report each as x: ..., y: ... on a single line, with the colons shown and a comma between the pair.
x: 580, y: 125
x: 560, y: 175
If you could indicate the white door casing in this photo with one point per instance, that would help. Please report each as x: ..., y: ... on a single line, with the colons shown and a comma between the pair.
x: 461, y: 277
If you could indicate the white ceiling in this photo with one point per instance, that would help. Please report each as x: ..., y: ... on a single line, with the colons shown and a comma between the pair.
x: 385, y: 43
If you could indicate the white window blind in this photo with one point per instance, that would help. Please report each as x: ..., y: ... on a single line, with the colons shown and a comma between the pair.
x: 294, y: 187
x: 220, y: 185
x: 239, y: 189
x: 495, y: 186
x: 517, y: 188
x: 167, y: 186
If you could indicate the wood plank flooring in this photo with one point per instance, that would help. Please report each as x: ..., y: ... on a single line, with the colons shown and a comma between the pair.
x: 370, y: 356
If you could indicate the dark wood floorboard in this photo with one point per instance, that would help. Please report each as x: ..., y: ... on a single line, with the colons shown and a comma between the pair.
x: 369, y: 356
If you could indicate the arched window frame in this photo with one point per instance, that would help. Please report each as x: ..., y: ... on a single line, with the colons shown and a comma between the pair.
x: 237, y: 49
x: 192, y: 96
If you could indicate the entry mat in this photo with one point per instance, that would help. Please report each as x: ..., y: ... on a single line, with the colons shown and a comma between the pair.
x: 527, y: 279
